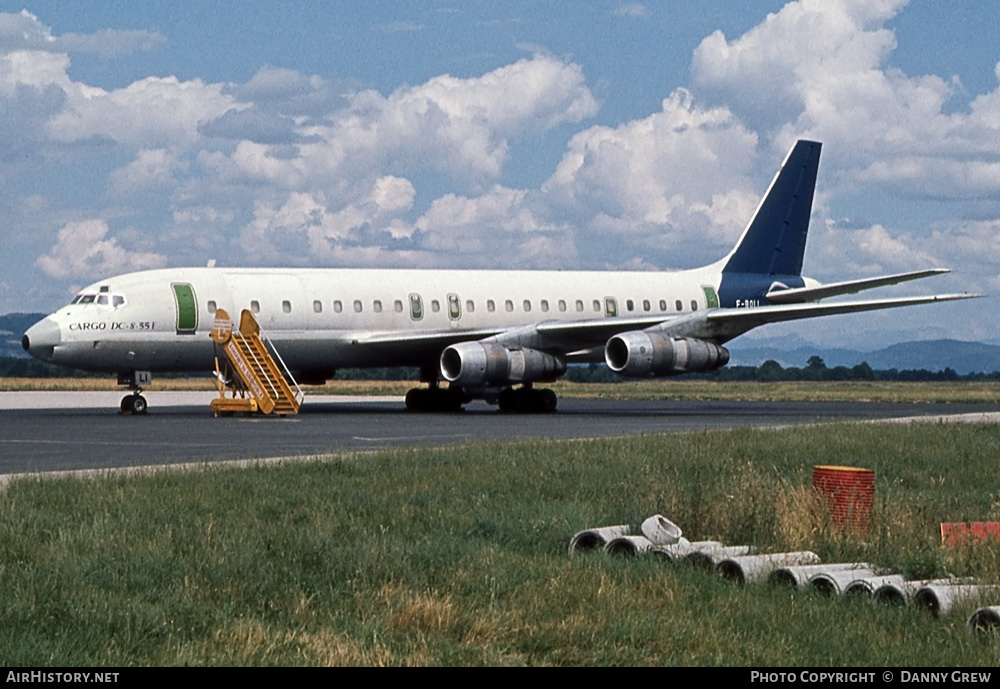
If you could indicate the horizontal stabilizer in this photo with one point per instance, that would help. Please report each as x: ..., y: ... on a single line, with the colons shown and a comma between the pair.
x: 798, y: 295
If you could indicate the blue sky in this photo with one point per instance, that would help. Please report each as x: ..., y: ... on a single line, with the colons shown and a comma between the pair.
x: 499, y: 135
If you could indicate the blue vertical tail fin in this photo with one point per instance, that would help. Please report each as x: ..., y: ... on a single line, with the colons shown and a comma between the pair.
x: 774, y: 241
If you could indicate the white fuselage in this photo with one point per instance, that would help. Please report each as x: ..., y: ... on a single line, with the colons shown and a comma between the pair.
x: 323, y: 319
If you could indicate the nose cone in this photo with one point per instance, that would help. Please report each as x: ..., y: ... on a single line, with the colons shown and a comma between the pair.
x: 41, y: 339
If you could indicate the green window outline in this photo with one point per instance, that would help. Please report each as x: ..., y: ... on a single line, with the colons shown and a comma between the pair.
x: 711, y: 298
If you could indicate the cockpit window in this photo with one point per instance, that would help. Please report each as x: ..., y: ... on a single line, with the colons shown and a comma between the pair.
x: 103, y: 299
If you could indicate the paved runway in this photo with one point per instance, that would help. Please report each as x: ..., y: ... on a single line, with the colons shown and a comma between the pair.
x: 57, y: 431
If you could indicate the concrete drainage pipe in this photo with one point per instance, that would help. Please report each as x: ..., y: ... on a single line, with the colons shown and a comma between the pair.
x: 835, y: 583
x: 797, y: 576
x: 941, y: 598
x: 753, y: 568
x: 590, y: 539
x: 985, y: 620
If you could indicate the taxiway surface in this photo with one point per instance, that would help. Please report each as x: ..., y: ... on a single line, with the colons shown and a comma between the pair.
x: 61, y: 432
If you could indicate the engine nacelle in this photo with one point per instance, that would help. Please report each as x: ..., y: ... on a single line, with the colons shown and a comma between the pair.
x: 641, y: 353
x: 482, y: 363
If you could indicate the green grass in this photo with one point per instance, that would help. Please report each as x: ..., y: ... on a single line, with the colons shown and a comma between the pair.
x: 458, y: 556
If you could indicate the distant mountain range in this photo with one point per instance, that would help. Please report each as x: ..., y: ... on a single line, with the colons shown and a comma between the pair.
x: 930, y: 355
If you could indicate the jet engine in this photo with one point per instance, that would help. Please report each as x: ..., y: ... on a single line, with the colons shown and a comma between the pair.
x: 641, y: 353
x: 489, y: 363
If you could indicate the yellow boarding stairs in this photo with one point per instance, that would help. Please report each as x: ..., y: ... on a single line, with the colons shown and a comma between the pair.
x: 255, y: 376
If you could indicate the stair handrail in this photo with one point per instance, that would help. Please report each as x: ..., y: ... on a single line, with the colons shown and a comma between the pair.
x: 275, y: 393
x: 299, y: 395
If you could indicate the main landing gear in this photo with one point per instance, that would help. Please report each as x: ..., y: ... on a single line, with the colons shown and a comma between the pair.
x: 435, y: 399
x: 523, y: 400
x: 135, y: 403
x: 527, y: 400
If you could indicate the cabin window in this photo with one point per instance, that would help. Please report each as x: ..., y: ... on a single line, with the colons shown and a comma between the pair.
x: 317, y: 306
x: 435, y: 305
x: 377, y: 306
x: 579, y: 304
x: 610, y: 307
x: 562, y: 304
x: 630, y: 305
x: 645, y: 305
x: 470, y: 306
x: 694, y: 305
x: 663, y: 305
x: 545, y: 304
x: 357, y: 306
x: 491, y: 305
x: 255, y: 306
x: 286, y: 306
x: 508, y: 306
x: 212, y: 306
x: 416, y: 307
x: 679, y: 305
x: 398, y: 305
x: 338, y: 306
x: 597, y: 306
x: 711, y: 298
x: 527, y: 305
x: 454, y: 307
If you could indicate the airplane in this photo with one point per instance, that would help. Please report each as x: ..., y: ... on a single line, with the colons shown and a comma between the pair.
x: 489, y: 334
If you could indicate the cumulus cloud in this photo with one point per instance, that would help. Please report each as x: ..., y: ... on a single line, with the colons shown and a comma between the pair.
x: 657, y: 181
x: 817, y: 69
x: 83, y: 250
x: 155, y: 111
x: 151, y: 169
x: 452, y: 125
x: 500, y: 228
x: 304, y: 228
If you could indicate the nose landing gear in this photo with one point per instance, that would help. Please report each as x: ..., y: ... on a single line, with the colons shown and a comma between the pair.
x: 135, y: 403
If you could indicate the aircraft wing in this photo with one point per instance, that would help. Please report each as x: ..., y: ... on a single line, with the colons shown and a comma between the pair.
x: 794, y: 312
x: 714, y: 324
x: 741, y: 320
x: 797, y: 295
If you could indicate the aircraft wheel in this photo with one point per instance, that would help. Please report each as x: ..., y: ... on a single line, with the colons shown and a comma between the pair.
x: 544, y: 401
x: 527, y: 401
x: 434, y: 400
x: 416, y: 399
x: 135, y: 404
x: 507, y: 400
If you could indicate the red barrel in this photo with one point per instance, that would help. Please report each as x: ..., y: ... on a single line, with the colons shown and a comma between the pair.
x: 849, y: 493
